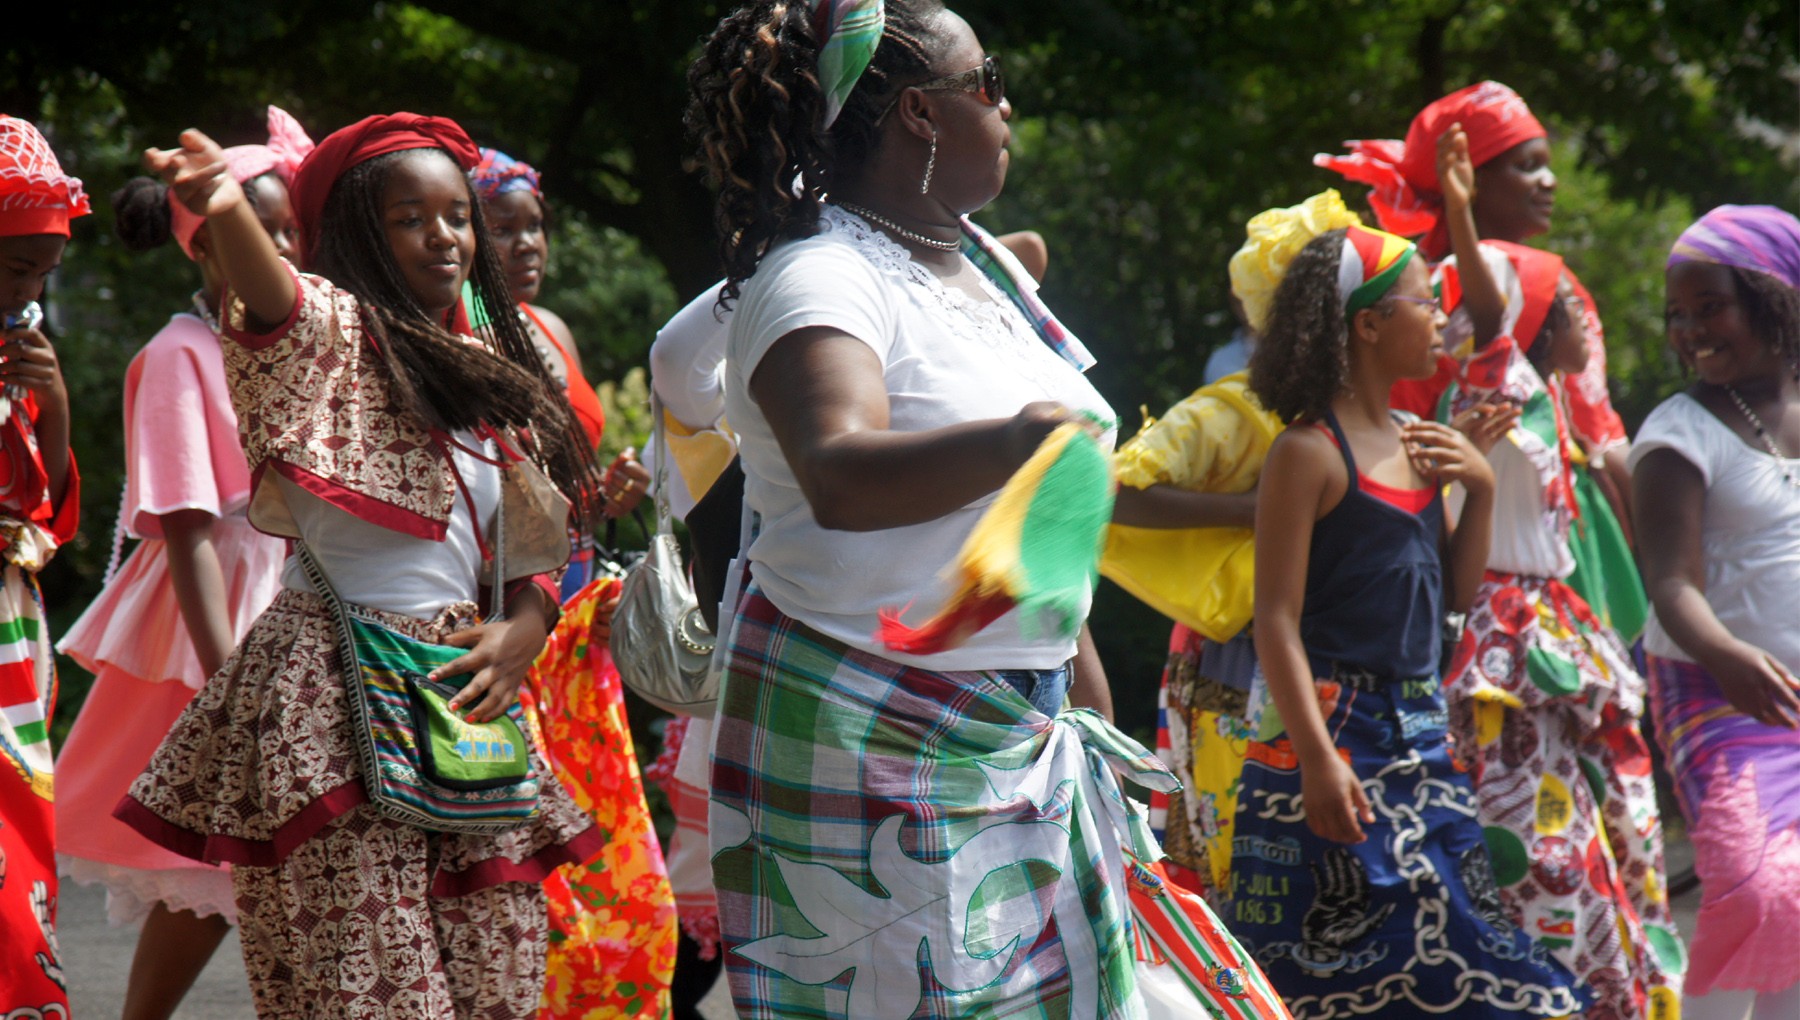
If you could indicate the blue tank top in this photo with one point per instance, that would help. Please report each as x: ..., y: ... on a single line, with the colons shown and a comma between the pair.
x: 1374, y: 583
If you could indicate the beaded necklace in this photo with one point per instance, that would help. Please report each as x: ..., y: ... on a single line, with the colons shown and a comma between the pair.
x: 202, y: 309
x: 882, y: 221
x: 1762, y: 433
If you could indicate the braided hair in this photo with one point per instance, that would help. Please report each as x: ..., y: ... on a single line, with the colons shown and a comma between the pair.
x: 755, y: 111
x: 435, y: 374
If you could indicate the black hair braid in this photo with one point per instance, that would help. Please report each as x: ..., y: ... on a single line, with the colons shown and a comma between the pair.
x: 436, y: 375
x: 1772, y: 310
x: 755, y: 109
x: 141, y: 215
x: 1301, y: 362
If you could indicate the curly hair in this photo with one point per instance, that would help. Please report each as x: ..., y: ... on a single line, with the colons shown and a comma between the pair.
x: 438, y: 376
x: 755, y: 112
x: 1772, y: 309
x: 1302, y: 359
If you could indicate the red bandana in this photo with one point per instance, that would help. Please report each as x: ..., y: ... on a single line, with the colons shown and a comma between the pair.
x: 36, y: 197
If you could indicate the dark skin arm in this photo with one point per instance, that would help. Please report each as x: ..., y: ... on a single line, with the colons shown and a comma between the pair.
x: 1669, y: 496
x: 1168, y: 506
x: 1303, y: 478
x: 1088, y: 686
x: 822, y: 392
x: 1481, y: 292
x: 197, y: 174
x: 199, y: 582
x: 28, y: 359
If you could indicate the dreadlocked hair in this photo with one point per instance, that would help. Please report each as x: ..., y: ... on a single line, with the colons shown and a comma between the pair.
x: 1772, y: 309
x: 755, y: 110
x: 438, y: 376
x: 1302, y: 359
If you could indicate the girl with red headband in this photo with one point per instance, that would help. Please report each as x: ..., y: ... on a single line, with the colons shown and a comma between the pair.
x: 1358, y: 873
x: 169, y: 618
x: 1545, y: 702
x: 379, y: 428
x: 40, y: 498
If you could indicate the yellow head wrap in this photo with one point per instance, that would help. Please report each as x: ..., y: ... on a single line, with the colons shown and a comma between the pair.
x: 1275, y: 236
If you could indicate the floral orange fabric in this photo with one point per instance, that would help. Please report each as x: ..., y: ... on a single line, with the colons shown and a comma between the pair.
x: 612, y: 920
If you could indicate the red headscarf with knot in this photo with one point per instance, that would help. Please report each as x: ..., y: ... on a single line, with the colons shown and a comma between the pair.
x: 359, y: 143
x: 1407, y: 198
x: 36, y: 197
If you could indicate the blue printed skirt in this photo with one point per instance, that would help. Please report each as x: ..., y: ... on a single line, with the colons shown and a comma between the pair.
x: 1408, y: 922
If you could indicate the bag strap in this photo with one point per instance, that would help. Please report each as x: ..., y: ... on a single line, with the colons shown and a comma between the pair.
x: 340, y: 614
x: 660, y: 483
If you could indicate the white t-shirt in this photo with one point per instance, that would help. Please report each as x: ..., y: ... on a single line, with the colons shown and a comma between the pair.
x: 1524, y: 542
x: 377, y: 567
x: 1749, y: 530
x: 687, y: 371
x: 946, y: 359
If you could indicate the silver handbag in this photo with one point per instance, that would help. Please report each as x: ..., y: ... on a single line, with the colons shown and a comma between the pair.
x: 660, y: 643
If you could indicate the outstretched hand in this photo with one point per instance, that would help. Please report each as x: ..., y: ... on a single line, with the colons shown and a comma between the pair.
x: 1444, y: 455
x: 197, y: 174
x: 1456, y: 172
x: 1486, y: 424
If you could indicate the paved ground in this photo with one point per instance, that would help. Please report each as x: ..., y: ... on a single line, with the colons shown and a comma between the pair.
x: 97, y: 959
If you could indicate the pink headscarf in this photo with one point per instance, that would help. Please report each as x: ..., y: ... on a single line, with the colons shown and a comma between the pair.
x: 288, y: 145
x: 1408, y: 200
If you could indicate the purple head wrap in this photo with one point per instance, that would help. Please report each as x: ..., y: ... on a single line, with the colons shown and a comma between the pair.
x: 1760, y: 238
x: 498, y: 173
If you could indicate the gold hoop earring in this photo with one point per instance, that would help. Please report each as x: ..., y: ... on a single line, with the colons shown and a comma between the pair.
x: 930, y: 165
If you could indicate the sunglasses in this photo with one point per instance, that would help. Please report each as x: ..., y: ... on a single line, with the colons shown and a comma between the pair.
x: 985, y: 81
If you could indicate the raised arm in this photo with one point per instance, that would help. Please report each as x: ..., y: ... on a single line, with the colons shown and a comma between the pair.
x: 1669, y: 496
x: 197, y: 175
x: 822, y: 392
x: 1168, y: 506
x: 1480, y: 291
x: 1290, y: 502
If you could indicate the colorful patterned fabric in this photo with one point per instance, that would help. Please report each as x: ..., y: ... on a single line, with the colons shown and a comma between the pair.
x: 1409, y: 922
x: 612, y: 919
x: 263, y: 759
x: 1175, y: 930
x: 1545, y: 705
x: 1370, y: 265
x: 1202, y: 736
x: 680, y: 771
x: 891, y: 842
x: 351, y: 925
x: 1738, y: 781
x: 1273, y: 238
x: 1036, y: 549
x: 1408, y: 198
x: 846, y: 32
x: 1004, y: 271
x: 36, y: 197
x: 1760, y: 238
x: 31, y: 976
x: 1597, y: 426
x: 497, y: 174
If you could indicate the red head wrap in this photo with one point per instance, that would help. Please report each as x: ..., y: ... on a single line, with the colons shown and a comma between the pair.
x: 36, y: 197
x: 359, y: 143
x: 1540, y: 274
x: 1407, y: 199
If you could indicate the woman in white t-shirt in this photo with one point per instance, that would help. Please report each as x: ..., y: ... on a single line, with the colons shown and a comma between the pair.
x: 1716, y: 490
x: 888, y: 368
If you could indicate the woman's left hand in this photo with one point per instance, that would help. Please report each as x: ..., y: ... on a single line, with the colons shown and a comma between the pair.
x: 626, y: 482
x: 1444, y: 455
x: 500, y: 654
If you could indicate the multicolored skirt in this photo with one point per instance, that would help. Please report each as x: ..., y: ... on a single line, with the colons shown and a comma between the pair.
x: 891, y: 842
x: 612, y: 919
x: 1202, y: 736
x: 1545, y: 706
x: 1738, y: 781
x: 1407, y: 923
x: 31, y: 975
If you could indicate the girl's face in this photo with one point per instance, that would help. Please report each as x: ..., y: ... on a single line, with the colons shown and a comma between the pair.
x: 276, y: 213
x: 1515, y: 192
x: 1409, y: 332
x: 515, y: 221
x: 1568, y: 343
x: 1708, y: 329
x: 26, y: 261
x: 430, y: 227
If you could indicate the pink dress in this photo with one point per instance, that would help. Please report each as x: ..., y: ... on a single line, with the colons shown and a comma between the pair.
x: 182, y: 453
